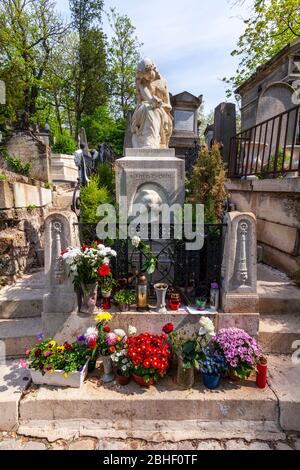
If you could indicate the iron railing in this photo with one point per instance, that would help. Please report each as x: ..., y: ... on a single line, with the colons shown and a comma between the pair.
x: 191, y: 271
x: 270, y: 149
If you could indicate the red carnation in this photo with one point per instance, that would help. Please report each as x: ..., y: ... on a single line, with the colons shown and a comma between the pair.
x: 104, y: 270
x: 168, y: 328
x: 106, y: 328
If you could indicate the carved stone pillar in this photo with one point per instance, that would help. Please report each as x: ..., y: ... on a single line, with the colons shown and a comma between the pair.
x: 239, y: 273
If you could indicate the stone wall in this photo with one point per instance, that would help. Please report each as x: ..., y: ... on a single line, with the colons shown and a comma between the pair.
x: 29, y: 148
x: 23, y: 208
x: 276, y: 204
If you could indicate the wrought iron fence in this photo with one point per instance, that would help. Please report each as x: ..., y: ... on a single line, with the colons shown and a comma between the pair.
x: 268, y: 150
x: 191, y: 271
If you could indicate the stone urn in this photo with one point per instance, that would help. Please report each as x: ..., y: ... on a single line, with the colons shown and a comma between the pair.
x: 161, y: 292
x: 108, y: 375
x: 89, y: 298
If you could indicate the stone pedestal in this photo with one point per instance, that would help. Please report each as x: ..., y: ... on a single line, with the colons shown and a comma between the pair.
x: 150, y: 176
x: 239, y: 273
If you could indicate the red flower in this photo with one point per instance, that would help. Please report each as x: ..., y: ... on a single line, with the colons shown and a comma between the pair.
x: 104, y: 270
x: 38, y: 352
x: 68, y: 346
x: 106, y: 328
x: 168, y: 328
x: 64, y: 252
x: 112, y: 349
x: 85, y: 247
x: 92, y: 343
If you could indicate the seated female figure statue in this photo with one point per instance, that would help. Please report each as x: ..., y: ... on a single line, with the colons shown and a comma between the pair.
x: 152, y: 122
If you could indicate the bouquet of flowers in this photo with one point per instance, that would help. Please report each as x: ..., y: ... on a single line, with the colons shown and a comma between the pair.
x: 90, y: 263
x: 149, y: 355
x: 48, y: 356
x: 240, y: 350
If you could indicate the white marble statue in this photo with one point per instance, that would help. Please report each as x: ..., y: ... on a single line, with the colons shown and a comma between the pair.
x: 152, y: 122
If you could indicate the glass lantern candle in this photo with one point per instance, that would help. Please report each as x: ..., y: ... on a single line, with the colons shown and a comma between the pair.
x: 142, y: 294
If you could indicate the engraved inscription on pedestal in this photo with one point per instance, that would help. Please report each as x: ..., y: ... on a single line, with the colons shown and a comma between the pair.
x: 184, y: 121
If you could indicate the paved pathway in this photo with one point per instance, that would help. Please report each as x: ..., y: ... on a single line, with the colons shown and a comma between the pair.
x: 12, y: 441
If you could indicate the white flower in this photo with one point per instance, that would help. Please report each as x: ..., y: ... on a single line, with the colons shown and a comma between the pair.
x: 206, y: 327
x: 132, y: 330
x: 124, y: 368
x: 106, y: 261
x: 120, y: 333
x: 113, y: 253
x: 91, y: 333
x: 135, y: 241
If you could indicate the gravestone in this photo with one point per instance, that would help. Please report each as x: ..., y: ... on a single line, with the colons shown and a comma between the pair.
x: 60, y: 301
x: 225, y: 127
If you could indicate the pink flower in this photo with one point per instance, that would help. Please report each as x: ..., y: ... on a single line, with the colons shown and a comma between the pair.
x: 23, y: 364
x: 111, y: 339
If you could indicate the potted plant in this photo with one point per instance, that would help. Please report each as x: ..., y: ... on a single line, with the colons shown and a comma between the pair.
x: 124, y: 298
x: 201, y: 303
x: 212, y: 367
x: 123, y: 366
x: 88, y: 265
x: 240, y: 350
x: 63, y: 365
x: 106, y: 344
x: 150, y: 357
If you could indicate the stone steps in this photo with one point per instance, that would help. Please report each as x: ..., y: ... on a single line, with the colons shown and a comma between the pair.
x: 277, y: 333
x: 277, y: 293
x: 157, y: 414
x: 24, y: 299
x: 17, y: 334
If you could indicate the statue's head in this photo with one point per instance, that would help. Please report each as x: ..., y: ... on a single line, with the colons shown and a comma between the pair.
x: 147, y: 69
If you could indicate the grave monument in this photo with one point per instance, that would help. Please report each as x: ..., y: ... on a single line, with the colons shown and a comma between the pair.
x: 150, y: 173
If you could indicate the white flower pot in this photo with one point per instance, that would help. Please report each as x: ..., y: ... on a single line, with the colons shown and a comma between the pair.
x: 74, y: 379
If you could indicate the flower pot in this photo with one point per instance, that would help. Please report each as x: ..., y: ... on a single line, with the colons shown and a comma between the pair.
x: 161, y: 291
x: 211, y: 381
x: 123, y: 380
x: 124, y: 307
x: 140, y: 381
x: 108, y: 375
x: 89, y: 298
x: 231, y: 375
x: 57, y: 378
x: 185, y: 377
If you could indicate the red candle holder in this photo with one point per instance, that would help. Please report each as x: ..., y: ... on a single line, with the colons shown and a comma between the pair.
x: 106, y: 303
x: 261, y: 373
x: 174, y: 305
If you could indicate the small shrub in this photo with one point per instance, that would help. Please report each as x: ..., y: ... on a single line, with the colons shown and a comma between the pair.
x: 15, y: 164
x: 64, y: 144
x: 91, y: 197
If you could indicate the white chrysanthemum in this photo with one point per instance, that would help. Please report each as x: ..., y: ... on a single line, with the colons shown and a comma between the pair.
x: 106, y: 260
x: 113, y: 253
x: 132, y: 330
x: 119, y: 332
x: 91, y: 333
x: 135, y: 241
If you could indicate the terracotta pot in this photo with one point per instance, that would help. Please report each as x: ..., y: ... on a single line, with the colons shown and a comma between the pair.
x: 231, y: 375
x: 140, y: 381
x: 122, y: 380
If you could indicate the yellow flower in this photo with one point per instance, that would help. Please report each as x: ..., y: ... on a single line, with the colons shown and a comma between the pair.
x: 66, y: 375
x: 104, y: 316
x: 60, y: 349
x: 51, y: 371
x: 118, y: 339
x: 52, y: 344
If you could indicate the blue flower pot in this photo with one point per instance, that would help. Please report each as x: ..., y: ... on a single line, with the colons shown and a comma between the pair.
x: 211, y: 381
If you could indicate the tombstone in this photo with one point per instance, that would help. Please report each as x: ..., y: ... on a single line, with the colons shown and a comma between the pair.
x: 239, y: 273
x: 60, y: 301
x: 225, y: 127
x: 185, y: 131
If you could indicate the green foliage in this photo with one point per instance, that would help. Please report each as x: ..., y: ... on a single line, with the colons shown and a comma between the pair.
x: 101, y: 127
x: 91, y: 197
x: 15, y: 164
x: 47, y: 356
x: 48, y: 185
x: 31, y: 207
x: 296, y: 274
x: 123, y: 55
x: 272, y: 25
x: 125, y: 297
x: 274, y: 165
x: 207, y: 184
x: 3, y: 178
x: 64, y: 144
